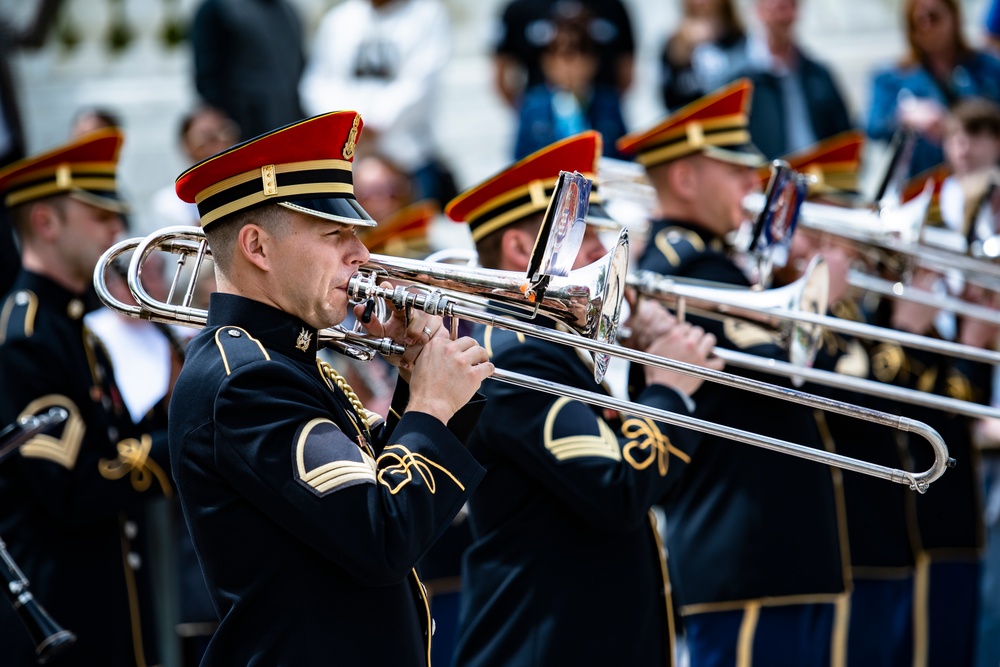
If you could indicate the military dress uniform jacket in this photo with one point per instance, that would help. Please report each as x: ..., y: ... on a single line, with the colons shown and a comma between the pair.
x: 745, y: 523
x: 307, y: 524
x: 565, y: 566
x: 881, y: 530
x: 949, y: 516
x: 71, y: 500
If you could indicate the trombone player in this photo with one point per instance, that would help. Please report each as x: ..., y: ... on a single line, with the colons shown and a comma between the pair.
x: 913, y: 559
x: 757, y: 550
x: 566, y: 565
x: 307, y: 511
x: 880, y: 531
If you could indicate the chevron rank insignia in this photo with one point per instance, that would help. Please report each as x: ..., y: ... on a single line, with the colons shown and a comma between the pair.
x: 326, y: 460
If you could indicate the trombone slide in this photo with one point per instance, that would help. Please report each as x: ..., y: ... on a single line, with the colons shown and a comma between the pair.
x: 916, y: 481
x: 439, y: 304
x: 899, y: 290
x: 725, y: 300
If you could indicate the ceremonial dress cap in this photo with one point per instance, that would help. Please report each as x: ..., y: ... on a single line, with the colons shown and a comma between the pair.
x: 525, y: 187
x: 403, y: 232
x: 715, y: 125
x: 83, y: 169
x: 916, y: 184
x: 305, y: 167
x: 833, y: 163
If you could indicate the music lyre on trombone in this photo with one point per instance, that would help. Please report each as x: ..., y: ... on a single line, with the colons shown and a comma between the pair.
x: 587, y: 301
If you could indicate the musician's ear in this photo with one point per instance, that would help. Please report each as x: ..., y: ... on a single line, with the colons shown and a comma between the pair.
x: 43, y: 220
x: 516, y: 245
x: 253, y: 243
x: 681, y: 176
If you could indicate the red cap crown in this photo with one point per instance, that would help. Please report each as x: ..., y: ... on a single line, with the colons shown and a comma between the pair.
x: 916, y: 184
x: 716, y: 125
x: 403, y: 230
x: 524, y: 188
x: 833, y: 163
x: 84, y: 168
x: 305, y: 166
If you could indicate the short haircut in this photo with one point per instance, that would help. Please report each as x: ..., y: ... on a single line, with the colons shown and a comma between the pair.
x: 489, y: 247
x: 977, y: 115
x: 222, y: 233
x: 20, y: 215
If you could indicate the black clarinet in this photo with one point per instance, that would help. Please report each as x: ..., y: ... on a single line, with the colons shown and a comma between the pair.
x: 48, y: 637
x: 26, y: 428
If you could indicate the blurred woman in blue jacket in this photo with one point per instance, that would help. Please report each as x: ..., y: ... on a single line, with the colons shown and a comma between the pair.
x: 939, y: 69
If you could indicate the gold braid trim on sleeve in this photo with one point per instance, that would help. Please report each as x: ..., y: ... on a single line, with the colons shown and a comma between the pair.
x: 133, y: 459
x: 649, y: 444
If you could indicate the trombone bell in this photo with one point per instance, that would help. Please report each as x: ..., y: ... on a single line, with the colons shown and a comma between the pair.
x: 809, y: 294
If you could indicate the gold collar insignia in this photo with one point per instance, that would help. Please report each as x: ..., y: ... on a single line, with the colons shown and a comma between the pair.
x: 303, y: 340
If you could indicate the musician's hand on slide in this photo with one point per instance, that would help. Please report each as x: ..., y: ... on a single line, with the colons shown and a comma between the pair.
x: 838, y: 264
x: 976, y: 332
x: 915, y: 317
x: 683, y: 342
x: 648, y: 320
x: 446, y: 375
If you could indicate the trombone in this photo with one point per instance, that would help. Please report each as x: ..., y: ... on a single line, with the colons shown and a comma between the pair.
x: 894, y: 230
x: 581, y: 301
x: 973, y: 270
x: 711, y: 299
x: 796, y: 312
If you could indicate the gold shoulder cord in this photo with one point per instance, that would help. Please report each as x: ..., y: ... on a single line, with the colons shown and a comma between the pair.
x: 341, y: 383
x: 333, y: 376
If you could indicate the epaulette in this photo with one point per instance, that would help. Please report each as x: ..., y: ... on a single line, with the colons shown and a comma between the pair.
x: 17, y: 318
x: 680, y: 245
x: 238, y: 348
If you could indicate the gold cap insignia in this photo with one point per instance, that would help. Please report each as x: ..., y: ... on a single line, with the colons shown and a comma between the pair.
x: 64, y: 176
x: 268, y: 177
x: 352, y: 138
x: 695, y: 135
x: 303, y: 340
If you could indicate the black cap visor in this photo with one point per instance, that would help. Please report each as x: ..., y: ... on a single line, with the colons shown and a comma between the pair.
x: 345, y: 210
